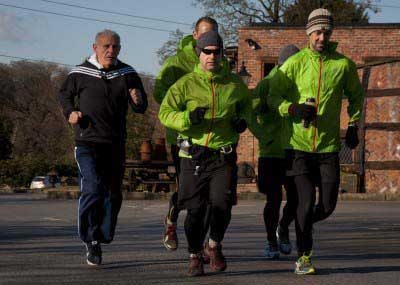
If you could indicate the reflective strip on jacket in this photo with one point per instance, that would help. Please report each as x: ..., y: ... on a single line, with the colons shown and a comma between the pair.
x: 326, y: 77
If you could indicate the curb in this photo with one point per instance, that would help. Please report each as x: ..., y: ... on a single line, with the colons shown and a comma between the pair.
x: 73, y: 193
x: 63, y: 194
x: 370, y: 197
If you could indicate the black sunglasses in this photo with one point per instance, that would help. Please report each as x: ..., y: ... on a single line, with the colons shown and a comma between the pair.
x: 211, y: 51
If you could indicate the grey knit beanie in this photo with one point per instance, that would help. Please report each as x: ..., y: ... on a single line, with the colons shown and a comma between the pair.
x: 286, y: 52
x: 211, y: 38
x: 319, y: 19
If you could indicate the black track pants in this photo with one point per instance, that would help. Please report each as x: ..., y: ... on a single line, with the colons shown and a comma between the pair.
x: 306, y: 169
x: 271, y: 178
x: 210, y: 188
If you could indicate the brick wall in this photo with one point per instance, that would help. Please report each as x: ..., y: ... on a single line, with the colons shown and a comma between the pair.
x: 355, y: 42
x: 248, y: 148
x: 361, y: 44
x: 383, y: 145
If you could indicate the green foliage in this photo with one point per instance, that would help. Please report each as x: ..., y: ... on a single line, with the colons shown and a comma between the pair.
x: 5, y: 137
x: 20, y: 171
x: 35, y: 138
x: 141, y: 127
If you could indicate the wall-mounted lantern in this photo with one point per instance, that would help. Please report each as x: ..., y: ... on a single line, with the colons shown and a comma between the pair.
x: 252, y: 44
x: 244, y: 74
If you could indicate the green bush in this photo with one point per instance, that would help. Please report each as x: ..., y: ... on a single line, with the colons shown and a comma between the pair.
x: 19, y: 172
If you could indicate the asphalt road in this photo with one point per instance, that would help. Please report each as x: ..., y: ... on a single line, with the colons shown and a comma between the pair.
x: 359, y: 244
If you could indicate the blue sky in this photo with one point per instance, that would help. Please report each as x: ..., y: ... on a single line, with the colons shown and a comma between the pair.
x: 61, y: 39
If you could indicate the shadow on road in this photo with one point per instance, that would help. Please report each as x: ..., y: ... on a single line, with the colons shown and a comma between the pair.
x: 136, y: 263
x: 368, y: 256
x: 359, y: 270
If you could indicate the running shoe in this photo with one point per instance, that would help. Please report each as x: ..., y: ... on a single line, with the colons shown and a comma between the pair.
x: 304, y: 266
x: 217, y: 259
x: 170, y: 238
x: 93, y: 254
x: 285, y: 247
x: 196, y: 267
x: 271, y: 251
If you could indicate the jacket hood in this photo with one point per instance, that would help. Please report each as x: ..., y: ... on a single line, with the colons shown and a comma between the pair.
x: 187, y: 43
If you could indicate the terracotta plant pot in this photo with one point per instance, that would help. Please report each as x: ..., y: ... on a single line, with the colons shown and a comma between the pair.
x: 144, y: 156
x: 160, y: 150
x: 145, y: 150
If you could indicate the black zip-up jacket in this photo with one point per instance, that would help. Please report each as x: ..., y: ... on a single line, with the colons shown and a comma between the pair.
x: 102, y: 96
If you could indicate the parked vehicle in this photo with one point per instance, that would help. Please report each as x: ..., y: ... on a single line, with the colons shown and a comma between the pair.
x: 71, y: 181
x: 40, y: 182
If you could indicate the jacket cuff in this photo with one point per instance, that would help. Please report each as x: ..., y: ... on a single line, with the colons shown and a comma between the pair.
x: 284, y: 108
x: 67, y: 113
x: 186, y: 119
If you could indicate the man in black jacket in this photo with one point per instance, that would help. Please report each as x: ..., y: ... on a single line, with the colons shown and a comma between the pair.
x: 95, y: 100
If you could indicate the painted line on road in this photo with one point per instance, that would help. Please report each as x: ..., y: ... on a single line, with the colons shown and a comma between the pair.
x: 53, y: 219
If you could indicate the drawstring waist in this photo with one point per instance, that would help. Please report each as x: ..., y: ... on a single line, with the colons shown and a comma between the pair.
x: 201, y: 155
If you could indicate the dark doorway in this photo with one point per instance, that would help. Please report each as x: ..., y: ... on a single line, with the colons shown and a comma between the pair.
x: 268, y: 66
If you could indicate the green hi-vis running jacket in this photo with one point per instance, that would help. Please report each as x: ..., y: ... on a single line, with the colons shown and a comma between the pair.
x: 269, y: 120
x: 225, y: 96
x: 174, y: 68
x: 326, y: 77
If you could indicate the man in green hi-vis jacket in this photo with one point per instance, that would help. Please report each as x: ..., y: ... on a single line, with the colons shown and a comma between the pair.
x: 307, y: 90
x: 209, y: 108
x: 175, y: 67
x: 271, y: 168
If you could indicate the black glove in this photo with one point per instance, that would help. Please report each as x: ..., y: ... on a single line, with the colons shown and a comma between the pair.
x: 352, y: 137
x: 197, y: 115
x: 239, y: 125
x: 303, y: 111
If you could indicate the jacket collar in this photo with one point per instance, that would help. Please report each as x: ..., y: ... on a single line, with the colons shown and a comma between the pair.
x: 93, y: 60
x: 221, y: 73
x: 326, y: 53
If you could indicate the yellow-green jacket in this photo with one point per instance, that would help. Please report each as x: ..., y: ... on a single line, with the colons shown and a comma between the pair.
x: 225, y: 96
x: 326, y: 77
x: 174, y: 68
x: 269, y: 120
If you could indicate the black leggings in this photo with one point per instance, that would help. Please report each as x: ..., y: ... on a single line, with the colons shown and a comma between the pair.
x: 305, y: 167
x: 271, y: 178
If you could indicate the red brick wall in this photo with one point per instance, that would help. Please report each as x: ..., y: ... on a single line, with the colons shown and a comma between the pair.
x: 358, y: 43
x: 248, y: 148
x: 385, y: 77
x: 355, y: 42
x: 382, y: 181
x: 382, y: 145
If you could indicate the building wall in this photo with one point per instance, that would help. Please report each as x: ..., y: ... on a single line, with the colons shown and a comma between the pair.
x: 358, y: 43
x: 361, y: 44
x: 382, y: 145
